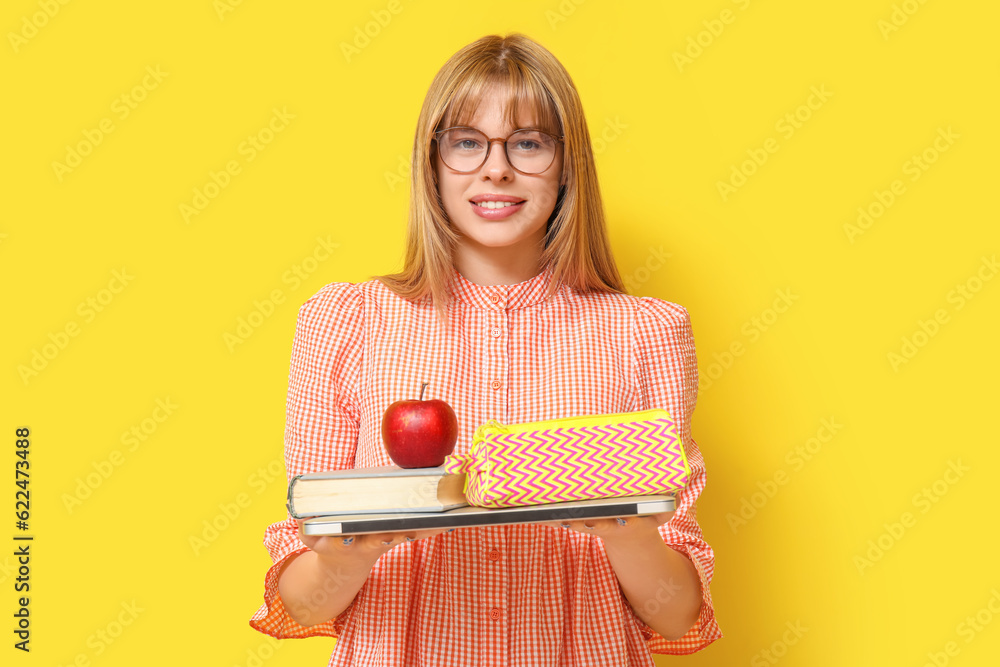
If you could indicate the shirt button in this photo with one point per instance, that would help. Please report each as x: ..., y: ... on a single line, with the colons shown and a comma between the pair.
x: 494, y: 554
x: 495, y: 384
x: 495, y: 613
x: 495, y: 332
x: 494, y: 298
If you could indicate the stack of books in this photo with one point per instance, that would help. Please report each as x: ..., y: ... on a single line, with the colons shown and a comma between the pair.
x: 381, y: 490
x: 390, y: 498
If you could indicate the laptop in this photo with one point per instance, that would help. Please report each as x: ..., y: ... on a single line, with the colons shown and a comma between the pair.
x: 471, y: 516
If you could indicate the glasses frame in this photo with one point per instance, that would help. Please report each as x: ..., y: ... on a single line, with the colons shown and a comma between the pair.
x: 489, y: 147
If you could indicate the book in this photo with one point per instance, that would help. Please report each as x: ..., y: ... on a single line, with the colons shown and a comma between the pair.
x: 469, y: 516
x: 377, y: 490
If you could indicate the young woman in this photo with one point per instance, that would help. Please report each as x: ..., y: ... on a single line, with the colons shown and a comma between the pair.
x: 510, y: 305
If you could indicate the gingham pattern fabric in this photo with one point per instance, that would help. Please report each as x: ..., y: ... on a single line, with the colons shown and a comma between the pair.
x: 522, y: 595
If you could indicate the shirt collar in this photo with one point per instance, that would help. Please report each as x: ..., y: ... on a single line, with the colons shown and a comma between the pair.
x: 502, y: 297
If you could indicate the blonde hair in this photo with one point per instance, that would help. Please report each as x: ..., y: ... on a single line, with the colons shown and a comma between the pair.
x: 576, y: 244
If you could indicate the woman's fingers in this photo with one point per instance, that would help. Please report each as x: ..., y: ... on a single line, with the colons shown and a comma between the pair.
x: 366, y: 542
x: 308, y: 540
x: 386, y: 541
x: 598, y: 527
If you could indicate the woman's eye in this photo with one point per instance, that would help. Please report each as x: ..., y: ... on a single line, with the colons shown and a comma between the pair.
x: 468, y: 144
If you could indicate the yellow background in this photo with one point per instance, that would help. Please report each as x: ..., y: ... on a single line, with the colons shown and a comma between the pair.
x: 670, y: 134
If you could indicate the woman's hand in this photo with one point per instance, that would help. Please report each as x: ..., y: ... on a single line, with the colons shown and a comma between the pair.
x: 369, y: 546
x: 618, y: 529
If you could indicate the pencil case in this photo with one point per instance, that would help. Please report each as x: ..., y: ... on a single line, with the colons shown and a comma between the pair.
x: 574, y: 458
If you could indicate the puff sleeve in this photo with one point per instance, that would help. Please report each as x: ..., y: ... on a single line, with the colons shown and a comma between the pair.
x: 666, y: 375
x: 321, y: 430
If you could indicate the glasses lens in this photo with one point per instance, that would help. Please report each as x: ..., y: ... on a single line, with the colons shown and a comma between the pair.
x: 530, y: 151
x: 462, y: 149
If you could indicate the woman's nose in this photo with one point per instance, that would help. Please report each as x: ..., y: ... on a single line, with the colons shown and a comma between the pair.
x: 496, y: 165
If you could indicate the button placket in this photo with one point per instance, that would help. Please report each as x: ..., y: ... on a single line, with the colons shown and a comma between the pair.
x: 493, y: 543
x: 496, y: 349
x: 492, y: 539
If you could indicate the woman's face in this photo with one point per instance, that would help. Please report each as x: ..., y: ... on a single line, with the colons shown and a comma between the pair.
x: 512, y: 228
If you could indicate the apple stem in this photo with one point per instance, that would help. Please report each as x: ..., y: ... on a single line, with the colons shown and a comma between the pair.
x: 422, y: 387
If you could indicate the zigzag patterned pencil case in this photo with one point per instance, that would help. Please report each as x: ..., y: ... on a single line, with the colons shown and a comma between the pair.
x: 574, y: 458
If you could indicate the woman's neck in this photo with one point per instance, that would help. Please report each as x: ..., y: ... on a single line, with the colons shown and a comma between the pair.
x: 497, y: 266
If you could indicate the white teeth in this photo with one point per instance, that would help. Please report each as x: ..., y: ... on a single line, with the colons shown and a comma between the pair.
x: 495, y: 204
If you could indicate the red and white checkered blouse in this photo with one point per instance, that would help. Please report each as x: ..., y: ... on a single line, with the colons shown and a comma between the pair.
x: 503, y: 595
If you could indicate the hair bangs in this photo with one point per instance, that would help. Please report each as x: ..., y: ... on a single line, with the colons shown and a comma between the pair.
x: 526, y: 97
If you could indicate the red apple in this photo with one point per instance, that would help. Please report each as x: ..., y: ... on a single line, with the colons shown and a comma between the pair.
x: 419, y: 434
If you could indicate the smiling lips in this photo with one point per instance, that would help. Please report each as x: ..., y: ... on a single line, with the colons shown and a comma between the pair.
x: 495, y: 207
x: 495, y: 204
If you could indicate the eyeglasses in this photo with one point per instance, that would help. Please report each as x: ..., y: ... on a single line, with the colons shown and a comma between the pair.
x: 466, y: 149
